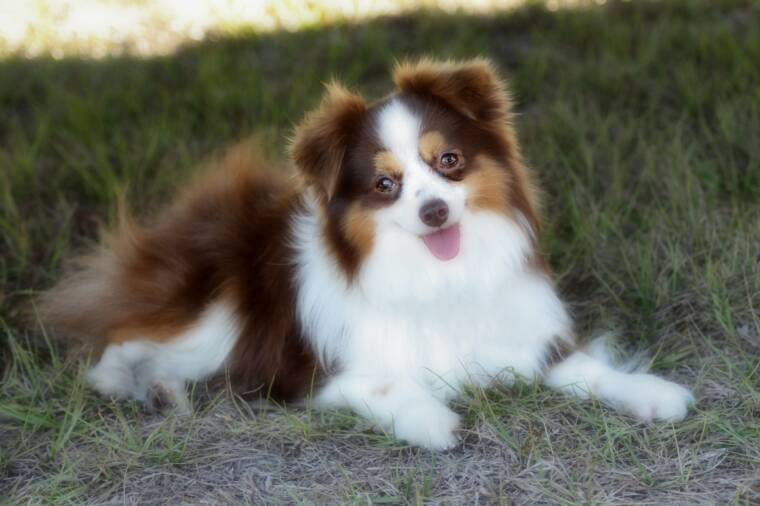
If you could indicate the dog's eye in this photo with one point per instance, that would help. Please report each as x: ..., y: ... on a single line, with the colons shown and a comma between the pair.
x: 449, y: 160
x: 451, y: 164
x: 385, y: 184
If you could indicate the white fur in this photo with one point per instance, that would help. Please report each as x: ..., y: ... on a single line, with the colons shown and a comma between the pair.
x: 644, y: 396
x: 399, y: 131
x: 132, y: 368
x: 422, y: 328
x: 411, y: 331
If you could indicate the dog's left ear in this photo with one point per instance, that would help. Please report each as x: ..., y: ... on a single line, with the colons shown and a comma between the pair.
x: 320, y: 140
x: 472, y: 87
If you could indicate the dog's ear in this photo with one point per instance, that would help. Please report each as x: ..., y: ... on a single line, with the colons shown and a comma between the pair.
x: 320, y: 140
x: 472, y: 87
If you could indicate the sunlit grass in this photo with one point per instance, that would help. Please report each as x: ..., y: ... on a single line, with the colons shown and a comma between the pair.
x: 99, y: 28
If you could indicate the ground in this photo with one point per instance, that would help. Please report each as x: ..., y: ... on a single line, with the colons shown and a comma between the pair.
x: 641, y: 121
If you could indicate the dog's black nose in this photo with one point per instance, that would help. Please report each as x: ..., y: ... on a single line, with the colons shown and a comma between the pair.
x: 434, y: 213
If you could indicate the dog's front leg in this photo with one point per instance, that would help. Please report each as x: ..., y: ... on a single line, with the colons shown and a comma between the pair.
x: 398, y: 405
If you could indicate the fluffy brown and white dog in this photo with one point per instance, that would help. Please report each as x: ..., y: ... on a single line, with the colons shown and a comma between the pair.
x: 399, y: 266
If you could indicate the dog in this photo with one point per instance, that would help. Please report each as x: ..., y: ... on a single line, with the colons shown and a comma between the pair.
x: 397, y: 266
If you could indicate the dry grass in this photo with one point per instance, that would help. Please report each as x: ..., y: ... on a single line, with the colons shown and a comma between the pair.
x: 642, y: 122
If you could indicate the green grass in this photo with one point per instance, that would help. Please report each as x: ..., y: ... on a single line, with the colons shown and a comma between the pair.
x: 642, y: 124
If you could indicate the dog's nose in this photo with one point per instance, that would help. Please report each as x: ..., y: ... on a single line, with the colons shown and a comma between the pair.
x: 434, y: 213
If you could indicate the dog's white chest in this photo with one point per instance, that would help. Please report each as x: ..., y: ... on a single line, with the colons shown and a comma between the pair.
x: 459, y: 340
x: 445, y: 324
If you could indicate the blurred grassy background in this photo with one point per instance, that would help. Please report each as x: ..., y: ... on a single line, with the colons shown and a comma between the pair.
x: 641, y: 121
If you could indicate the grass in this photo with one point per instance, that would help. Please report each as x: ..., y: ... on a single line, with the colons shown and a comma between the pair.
x: 641, y: 121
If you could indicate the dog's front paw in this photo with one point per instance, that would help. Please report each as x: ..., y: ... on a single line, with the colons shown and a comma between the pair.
x: 650, y: 398
x: 429, y: 425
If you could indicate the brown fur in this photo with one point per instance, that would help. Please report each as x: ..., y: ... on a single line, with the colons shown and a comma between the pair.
x: 474, y: 89
x: 321, y: 139
x: 319, y: 149
x: 385, y: 163
x: 471, y: 87
x: 225, y: 238
x: 464, y: 105
x: 489, y: 186
x: 431, y: 144
x: 359, y: 229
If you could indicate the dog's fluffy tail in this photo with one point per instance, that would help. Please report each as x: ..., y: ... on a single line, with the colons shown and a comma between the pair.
x: 86, y: 300
x: 155, y: 279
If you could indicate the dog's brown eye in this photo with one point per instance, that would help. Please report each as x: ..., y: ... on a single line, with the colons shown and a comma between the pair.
x: 385, y: 184
x: 449, y: 160
x: 451, y: 164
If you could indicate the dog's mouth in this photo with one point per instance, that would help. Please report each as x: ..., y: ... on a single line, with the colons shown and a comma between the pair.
x: 444, y: 243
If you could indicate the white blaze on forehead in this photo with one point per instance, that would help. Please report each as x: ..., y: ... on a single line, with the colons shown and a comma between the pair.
x: 399, y: 130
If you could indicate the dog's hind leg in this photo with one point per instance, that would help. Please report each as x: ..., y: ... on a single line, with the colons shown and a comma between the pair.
x: 156, y: 372
x: 114, y: 375
x: 134, y: 370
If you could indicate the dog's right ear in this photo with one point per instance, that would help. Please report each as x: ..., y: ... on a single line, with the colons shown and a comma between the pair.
x: 320, y: 140
x: 472, y: 87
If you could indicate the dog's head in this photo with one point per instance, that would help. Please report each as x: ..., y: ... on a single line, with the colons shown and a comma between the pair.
x: 415, y: 163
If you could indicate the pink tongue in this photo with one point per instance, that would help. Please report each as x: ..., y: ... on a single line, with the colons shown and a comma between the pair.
x: 443, y: 244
